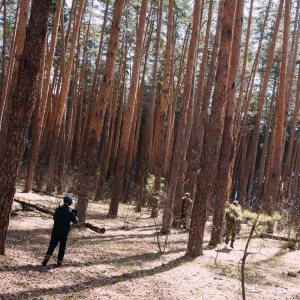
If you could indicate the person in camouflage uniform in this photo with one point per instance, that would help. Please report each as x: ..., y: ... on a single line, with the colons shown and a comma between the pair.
x: 233, y: 217
x: 186, y: 209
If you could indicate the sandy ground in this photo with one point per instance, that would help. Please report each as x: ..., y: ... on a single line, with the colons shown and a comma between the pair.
x: 125, y: 262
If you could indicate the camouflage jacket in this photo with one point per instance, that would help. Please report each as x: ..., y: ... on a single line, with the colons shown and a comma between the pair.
x: 233, y: 214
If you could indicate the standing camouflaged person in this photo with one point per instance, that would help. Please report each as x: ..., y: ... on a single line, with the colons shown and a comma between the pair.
x: 186, y: 209
x: 63, y: 216
x: 233, y: 218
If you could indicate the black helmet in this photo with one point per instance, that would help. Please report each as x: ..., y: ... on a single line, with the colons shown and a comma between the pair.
x: 68, y: 199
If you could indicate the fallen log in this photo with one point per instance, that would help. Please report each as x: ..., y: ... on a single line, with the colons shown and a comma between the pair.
x: 279, y: 238
x: 35, y: 206
x: 50, y: 212
x: 95, y: 228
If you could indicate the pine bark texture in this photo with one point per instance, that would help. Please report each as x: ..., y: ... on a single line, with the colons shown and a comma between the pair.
x: 224, y: 177
x: 128, y: 118
x: 89, y: 156
x: 252, y: 152
x: 147, y: 138
x: 184, y: 126
x: 201, y: 109
x: 272, y: 185
x: 39, y: 118
x: 161, y: 113
x: 9, y: 83
x: 211, y: 146
x: 22, y: 103
x: 63, y: 97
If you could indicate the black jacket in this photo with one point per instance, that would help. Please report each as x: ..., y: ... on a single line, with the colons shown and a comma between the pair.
x: 63, y: 216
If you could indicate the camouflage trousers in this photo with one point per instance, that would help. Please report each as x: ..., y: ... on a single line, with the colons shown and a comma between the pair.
x: 231, y: 230
x: 185, y: 216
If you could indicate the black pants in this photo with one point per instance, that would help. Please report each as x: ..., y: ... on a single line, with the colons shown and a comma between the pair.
x: 62, y: 240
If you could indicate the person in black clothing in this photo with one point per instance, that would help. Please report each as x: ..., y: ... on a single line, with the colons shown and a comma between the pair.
x: 63, y: 216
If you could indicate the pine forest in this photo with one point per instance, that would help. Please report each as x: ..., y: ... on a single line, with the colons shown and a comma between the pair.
x: 158, y: 118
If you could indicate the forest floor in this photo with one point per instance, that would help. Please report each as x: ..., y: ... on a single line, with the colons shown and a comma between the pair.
x: 125, y: 263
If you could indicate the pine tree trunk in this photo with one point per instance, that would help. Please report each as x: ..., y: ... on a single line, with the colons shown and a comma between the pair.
x: 292, y: 143
x: 89, y: 157
x: 177, y: 201
x: 110, y: 130
x: 9, y: 82
x: 212, y: 138
x: 76, y: 141
x: 63, y: 97
x: 224, y: 177
x: 22, y: 102
x: 145, y: 152
x: 173, y: 103
x: 77, y: 96
x: 177, y: 206
x: 53, y: 101
x: 273, y: 178
x: 113, y: 159
x: 242, y: 80
x: 201, y: 107
x: 294, y: 167
x: 105, y: 154
x: 290, y: 74
x: 3, y: 58
x: 184, y: 126
x: 251, y: 156
x: 263, y: 159
x: 136, y: 126
x: 93, y: 90
x: 160, y: 118
x: 38, y: 122
x: 128, y: 118
x: 62, y: 158
x: 170, y: 115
